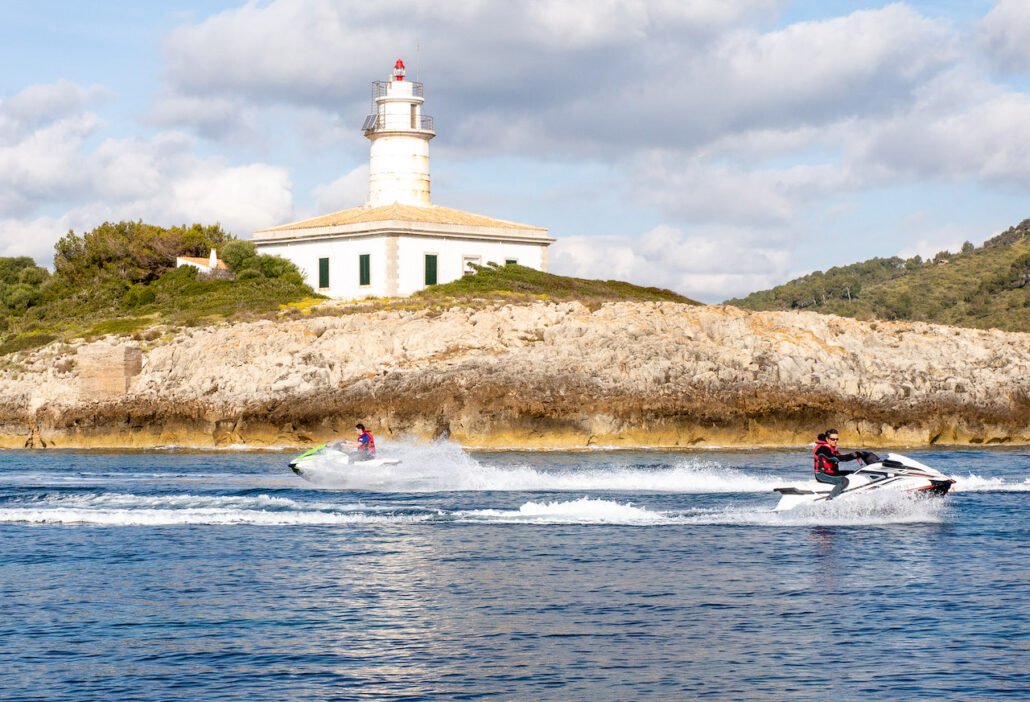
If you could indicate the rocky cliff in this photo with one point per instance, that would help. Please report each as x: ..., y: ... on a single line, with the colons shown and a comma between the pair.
x: 544, y: 375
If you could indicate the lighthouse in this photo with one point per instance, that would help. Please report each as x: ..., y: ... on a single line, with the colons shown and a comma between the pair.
x: 399, y: 242
x: 398, y: 169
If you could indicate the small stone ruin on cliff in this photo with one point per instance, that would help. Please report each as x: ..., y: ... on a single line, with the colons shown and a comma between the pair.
x: 106, y: 371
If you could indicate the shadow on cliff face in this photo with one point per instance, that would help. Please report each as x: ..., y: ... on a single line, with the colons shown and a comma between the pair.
x: 532, y: 413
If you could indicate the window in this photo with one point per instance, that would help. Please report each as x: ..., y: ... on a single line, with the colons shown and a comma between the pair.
x: 414, y: 118
x: 467, y: 262
x: 323, y: 273
x: 430, y: 269
x: 365, y: 269
x: 511, y: 261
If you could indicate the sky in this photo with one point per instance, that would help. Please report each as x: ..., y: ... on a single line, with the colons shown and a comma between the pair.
x: 713, y: 147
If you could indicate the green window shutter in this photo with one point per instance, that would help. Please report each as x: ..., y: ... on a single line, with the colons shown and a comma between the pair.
x: 323, y: 272
x: 511, y: 261
x: 365, y: 269
x: 430, y: 269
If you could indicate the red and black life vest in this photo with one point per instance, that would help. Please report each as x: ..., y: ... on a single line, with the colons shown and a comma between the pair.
x: 820, y: 463
x: 370, y: 445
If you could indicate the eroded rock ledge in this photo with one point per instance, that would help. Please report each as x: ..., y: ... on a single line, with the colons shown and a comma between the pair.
x: 540, y: 376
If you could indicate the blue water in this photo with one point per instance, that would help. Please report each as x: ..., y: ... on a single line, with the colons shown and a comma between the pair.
x: 512, y: 576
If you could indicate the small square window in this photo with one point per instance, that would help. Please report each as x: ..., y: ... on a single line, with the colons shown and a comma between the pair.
x: 511, y: 261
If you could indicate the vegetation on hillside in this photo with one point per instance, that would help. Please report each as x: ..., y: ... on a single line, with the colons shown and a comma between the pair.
x: 513, y: 281
x: 983, y: 287
x: 121, y: 277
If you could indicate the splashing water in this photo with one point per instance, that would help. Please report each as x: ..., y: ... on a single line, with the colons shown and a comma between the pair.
x: 446, y: 467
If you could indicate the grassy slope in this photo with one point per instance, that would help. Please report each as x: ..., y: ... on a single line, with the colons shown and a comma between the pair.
x: 981, y: 288
x: 177, y: 299
x: 515, y: 282
x: 180, y: 300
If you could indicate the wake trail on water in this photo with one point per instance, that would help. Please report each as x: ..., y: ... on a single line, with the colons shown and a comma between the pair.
x: 975, y: 483
x: 120, y: 509
x: 446, y: 467
x: 881, y: 510
x: 117, y: 509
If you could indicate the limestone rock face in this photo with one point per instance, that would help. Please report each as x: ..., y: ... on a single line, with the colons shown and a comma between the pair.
x: 543, y: 375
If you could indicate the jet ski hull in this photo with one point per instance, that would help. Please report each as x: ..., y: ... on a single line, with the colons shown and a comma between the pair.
x: 323, y: 464
x: 896, y: 473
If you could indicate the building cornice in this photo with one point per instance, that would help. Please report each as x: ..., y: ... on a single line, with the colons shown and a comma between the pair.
x: 404, y: 228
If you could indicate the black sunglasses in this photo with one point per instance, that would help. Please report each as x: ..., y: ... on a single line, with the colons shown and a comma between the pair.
x: 832, y: 438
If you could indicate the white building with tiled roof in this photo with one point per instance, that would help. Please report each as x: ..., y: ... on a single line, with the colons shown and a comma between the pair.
x: 399, y: 242
x: 207, y: 266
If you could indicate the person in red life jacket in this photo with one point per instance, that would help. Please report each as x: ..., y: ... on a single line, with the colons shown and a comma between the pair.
x: 364, y: 445
x: 827, y: 459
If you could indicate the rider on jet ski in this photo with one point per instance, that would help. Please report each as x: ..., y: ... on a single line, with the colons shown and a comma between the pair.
x: 826, y: 459
x: 363, y: 448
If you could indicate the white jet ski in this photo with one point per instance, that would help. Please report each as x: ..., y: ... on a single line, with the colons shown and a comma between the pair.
x: 896, y: 473
x: 327, y: 464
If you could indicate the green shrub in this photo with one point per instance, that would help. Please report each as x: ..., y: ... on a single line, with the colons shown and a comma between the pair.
x: 979, y: 287
x: 238, y: 255
x: 131, y: 251
x: 25, y: 343
x: 139, y: 295
x: 19, y: 297
x: 123, y: 325
x: 491, y: 281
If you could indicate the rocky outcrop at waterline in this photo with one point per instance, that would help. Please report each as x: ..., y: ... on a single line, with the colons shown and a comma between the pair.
x: 543, y: 376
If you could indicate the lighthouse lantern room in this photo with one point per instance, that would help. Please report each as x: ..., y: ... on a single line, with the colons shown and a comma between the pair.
x: 399, y: 242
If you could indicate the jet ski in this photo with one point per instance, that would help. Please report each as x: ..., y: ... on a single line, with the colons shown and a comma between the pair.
x: 896, y: 473
x: 325, y: 463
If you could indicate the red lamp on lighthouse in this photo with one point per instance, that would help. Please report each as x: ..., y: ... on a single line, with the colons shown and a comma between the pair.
x: 398, y: 70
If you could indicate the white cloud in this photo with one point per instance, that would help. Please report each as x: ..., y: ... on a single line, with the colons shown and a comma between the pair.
x: 697, y: 190
x: 38, y: 105
x: 34, y: 237
x: 54, y: 166
x: 986, y: 141
x: 349, y: 190
x: 709, y: 265
x: 732, y: 129
x: 1005, y: 35
x: 571, y: 77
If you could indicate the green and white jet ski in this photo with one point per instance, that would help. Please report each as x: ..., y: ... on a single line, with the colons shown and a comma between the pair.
x: 325, y: 463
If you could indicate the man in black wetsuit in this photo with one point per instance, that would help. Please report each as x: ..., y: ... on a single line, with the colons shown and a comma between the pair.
x: 827, y: 458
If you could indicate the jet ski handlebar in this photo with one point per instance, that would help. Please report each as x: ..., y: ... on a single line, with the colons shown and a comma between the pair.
x: 867, y: 457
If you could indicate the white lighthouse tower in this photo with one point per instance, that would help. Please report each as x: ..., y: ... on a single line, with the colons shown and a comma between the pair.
x: 400, y: 134
x: 399, y: 241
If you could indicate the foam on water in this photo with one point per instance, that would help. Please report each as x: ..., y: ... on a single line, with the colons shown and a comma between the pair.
x: 446, y: 467
x: 582, y: 511
x: 123, y: 509
x: 975, y: 483
x: 869, y: 510
x: 212, y: 516
x: 116, y: 509
x: 873, y: 510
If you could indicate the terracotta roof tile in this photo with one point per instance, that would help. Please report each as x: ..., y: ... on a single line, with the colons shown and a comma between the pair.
x: 205, y: 262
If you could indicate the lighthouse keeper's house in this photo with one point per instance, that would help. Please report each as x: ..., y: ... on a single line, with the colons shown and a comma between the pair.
x: 399, y: 242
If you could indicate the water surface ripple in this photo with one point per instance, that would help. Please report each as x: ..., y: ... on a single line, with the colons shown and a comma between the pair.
x: 509, y: 575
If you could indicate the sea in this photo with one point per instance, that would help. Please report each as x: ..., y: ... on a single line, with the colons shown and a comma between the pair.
x: 511, y: 575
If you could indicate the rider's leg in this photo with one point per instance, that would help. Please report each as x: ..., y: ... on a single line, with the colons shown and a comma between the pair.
x: 839, y: 482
